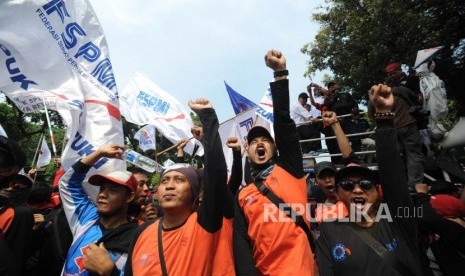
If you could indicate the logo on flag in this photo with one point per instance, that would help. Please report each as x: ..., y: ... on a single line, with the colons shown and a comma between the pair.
x: 146, y: 137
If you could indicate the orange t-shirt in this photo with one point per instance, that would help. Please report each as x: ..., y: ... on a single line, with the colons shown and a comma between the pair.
x: 223, y: 261
x: 279, y: 246
x: 334, y: 211
x: 188, y: 250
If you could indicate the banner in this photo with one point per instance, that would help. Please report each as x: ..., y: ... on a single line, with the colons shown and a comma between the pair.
x: 239, y: 103
x: 144, y: 102
x: 265, y: 107
x: 146, y: 137
x: 45, y: 156
x: 57, y: 52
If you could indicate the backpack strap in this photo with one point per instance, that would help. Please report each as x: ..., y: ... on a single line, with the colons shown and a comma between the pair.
x: 56, y: 233
x: 388, y: 257
x: 161, y: 254
x: 299, y: 220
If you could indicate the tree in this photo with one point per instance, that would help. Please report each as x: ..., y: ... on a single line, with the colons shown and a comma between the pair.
x: 357, y: 39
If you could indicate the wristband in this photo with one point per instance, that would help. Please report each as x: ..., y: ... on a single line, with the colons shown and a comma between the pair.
x: 337, y: 121
x: 281, y: 73
x: 385, y: 116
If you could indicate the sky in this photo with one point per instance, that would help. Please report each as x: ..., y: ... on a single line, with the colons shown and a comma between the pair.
x: 190, y: 47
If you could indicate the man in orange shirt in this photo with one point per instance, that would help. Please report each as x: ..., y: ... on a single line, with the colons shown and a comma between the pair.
x: 263, y: 243
x: 184, y: 240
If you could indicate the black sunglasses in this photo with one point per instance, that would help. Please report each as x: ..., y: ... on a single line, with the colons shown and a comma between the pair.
x: 349, y: 185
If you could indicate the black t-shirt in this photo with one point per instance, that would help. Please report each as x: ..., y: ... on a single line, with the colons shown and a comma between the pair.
x: 341, y: 253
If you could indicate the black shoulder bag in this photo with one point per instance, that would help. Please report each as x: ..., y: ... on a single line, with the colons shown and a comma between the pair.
x: 388, y: 257
x: 299, y: 220
x: 161, y: 254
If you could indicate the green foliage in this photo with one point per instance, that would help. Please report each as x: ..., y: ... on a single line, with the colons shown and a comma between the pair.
x: 358, y: 38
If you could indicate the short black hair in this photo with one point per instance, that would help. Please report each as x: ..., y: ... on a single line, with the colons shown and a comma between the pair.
x: 303, y: 95
x: 330, y: 83
x: 136, y: 170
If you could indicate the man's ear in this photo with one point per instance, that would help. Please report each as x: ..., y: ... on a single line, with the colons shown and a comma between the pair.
x: 130, y: 197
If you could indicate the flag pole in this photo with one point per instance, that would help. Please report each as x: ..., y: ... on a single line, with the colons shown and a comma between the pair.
x: 52, y: 139
x: 37, y: 150
x: 172, y: 147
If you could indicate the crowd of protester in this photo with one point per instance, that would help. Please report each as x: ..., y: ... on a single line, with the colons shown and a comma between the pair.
x: 266, y: 218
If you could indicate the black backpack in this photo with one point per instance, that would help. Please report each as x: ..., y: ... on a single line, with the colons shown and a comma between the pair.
x: 51, y: 245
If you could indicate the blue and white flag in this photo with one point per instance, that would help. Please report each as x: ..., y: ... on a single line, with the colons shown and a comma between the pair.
x: 239, y: 103
x: 146, y: 137
x: 144, y: 102
x: 54, y: 51
x: 265, y: 107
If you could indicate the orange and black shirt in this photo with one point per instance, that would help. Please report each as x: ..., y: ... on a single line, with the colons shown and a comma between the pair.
x: 263, y: 244
x: 188, y: 248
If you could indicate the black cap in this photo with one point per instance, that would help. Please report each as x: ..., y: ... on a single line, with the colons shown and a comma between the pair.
x: 14, y: 151
x: 325, y: 166
x: 258, y: 131
x: 303, y: 95
x: 355, y: 170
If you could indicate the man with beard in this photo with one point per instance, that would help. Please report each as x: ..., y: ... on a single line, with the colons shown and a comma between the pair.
x: 101, y: 232
x: 265, y: 244
x: 374, y: 241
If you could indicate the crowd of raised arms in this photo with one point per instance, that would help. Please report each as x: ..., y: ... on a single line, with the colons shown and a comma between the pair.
x: 269, y: 216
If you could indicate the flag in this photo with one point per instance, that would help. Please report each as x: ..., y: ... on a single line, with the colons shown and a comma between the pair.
x: 156, y: 107
x: 45, y: 156
x: 238, y: 102
x: 2, y: 131
x: 265, y: 107
x: 426, y: 55
x: 62, y: 59
x: 146, y: 137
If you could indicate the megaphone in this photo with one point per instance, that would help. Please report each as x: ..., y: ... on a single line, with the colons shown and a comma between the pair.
x: 455, y: 137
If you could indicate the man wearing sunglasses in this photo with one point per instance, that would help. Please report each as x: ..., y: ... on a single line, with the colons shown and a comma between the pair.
x: 368, y: 243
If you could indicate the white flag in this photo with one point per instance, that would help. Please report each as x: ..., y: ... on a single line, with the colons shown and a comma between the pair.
x: 2, y: 131
x: 45, y: 156
x: 143, y: 102
x: 265, y: 107
x: 146, y: 137
x: 62, y: 58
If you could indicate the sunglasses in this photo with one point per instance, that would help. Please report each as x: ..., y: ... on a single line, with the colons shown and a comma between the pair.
x: 349, y: 185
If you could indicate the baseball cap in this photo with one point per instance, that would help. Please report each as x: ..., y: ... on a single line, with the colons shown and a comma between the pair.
x: 258, y: 131
x: 303, y: 95
x: 13, y: 150
x: 354, y: 169
x: 324, y: 166
x: 191, y: 174
x: 123, y: 178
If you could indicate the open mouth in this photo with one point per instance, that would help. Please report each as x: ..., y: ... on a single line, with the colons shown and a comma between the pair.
x: 359, y: 201
x: 330, y: 188
x: 261, y: 153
